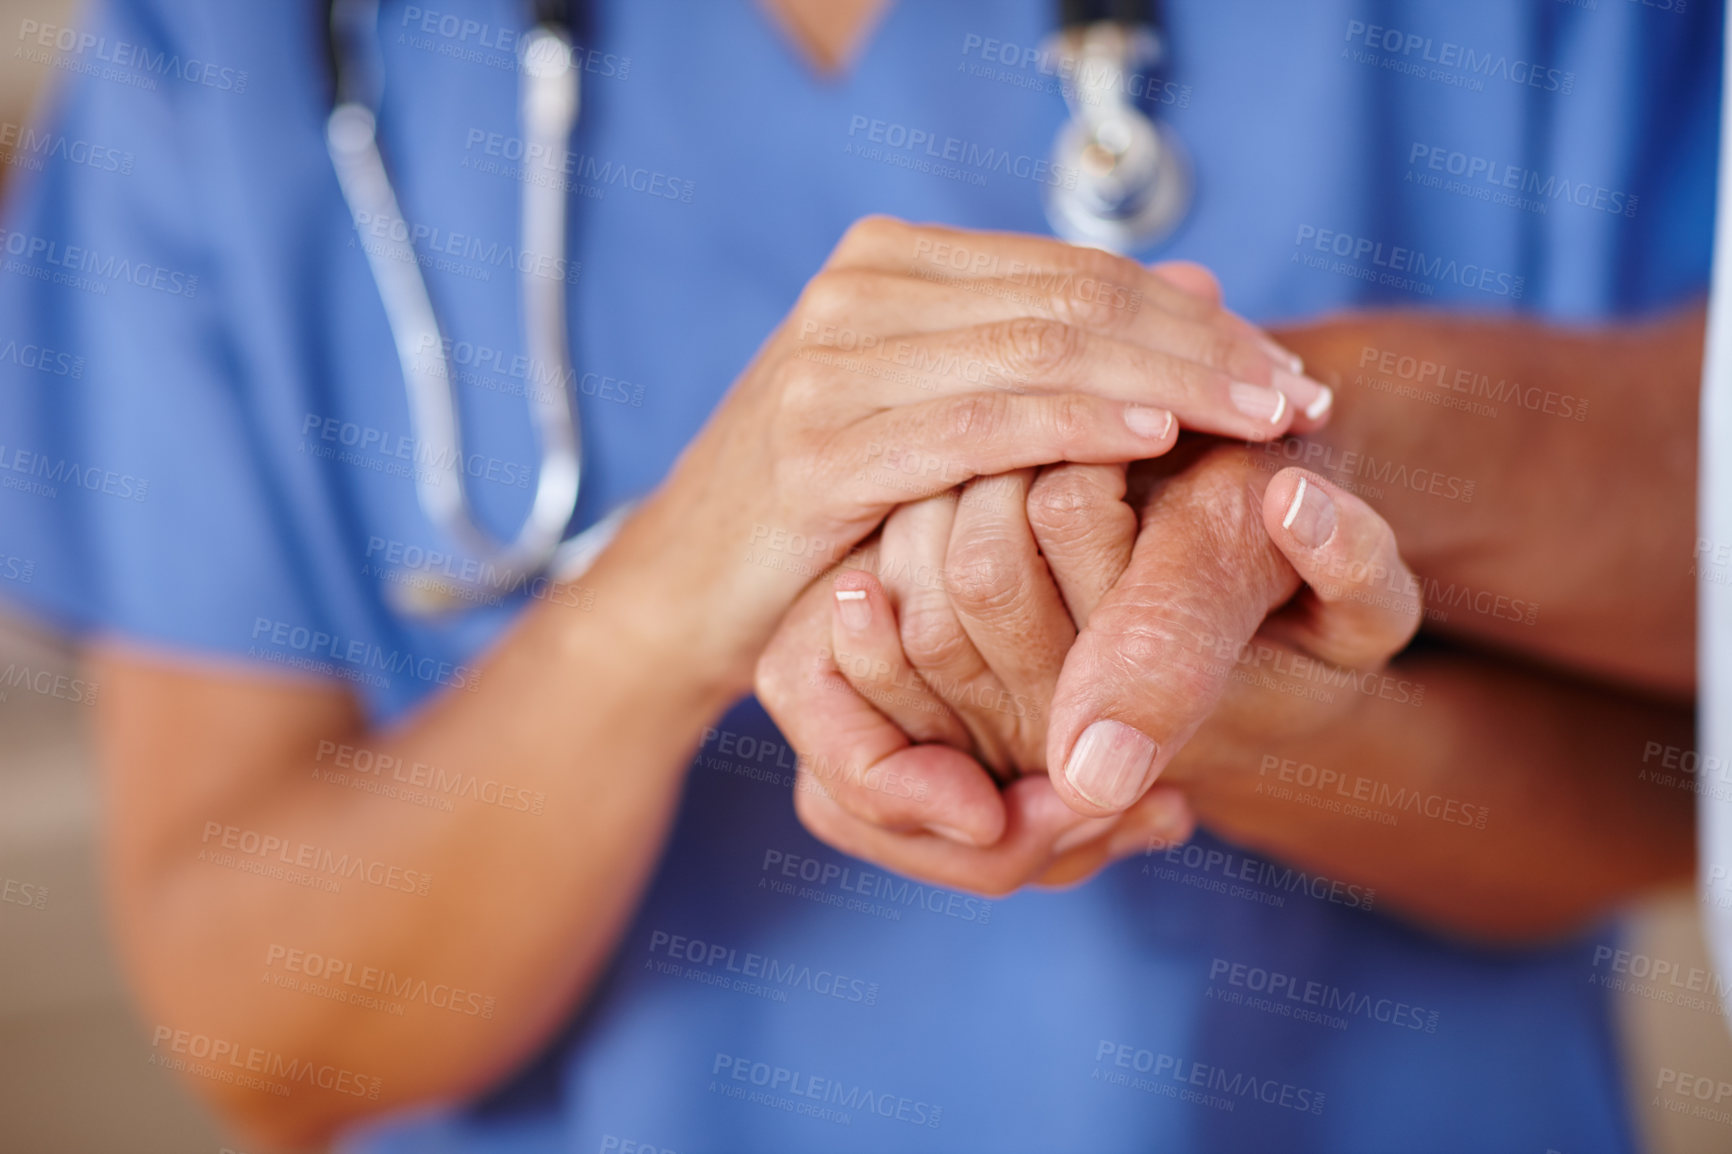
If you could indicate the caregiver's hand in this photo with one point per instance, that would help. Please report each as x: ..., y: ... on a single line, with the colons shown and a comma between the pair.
x: 917, y: 359
x: 1163, y: 625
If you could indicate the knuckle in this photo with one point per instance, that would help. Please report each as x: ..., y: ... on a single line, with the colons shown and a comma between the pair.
x: 771, y: 681
x: 804, y: 382
x: 1106, y: 266
x: 1219, y: 346
x: 866, y: 234
x: 1062, y: 503
x: 833, y: 294
x: 984, y: 574
x: 976, y: 417
x: 1160, y: 634
x: 1070, y: 416
x: 932, y: 637
x: 1035, y: 346
x: 1087, y: 310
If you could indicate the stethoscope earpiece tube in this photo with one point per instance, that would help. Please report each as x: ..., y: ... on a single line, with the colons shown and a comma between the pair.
x: 550, y: 99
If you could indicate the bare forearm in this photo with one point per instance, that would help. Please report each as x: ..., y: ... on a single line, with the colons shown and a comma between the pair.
x: 457, y: 936
x: 1541, y: 480
x: 1508, y: 806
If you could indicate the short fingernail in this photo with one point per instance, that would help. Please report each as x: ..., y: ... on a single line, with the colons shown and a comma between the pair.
x: 1311, y: 516
x: 1308, y: 396
x: 1281, y: 356
x: 856, y: 611
x: 951, y: 833
x: 1258, y: 403
x: 1110, y: 764
x: 1148, y: 422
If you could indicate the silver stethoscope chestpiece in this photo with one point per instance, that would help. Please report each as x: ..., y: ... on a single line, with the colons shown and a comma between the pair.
x: 1122, y: 180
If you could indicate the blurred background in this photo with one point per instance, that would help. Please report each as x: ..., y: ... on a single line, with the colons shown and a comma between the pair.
x: 74, y: 1069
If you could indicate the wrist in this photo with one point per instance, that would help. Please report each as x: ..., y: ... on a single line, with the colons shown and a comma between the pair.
x: 669, y: 604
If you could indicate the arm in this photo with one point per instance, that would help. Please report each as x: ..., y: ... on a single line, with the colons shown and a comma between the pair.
x: 1185, y: 639
x: 1518, y: 808
x: 1570, y: 831
x: 1601, y: 556
x: 599, y: 711
x: 523, y: 908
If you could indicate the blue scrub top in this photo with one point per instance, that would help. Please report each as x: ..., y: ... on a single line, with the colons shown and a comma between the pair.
x: 204, y: 445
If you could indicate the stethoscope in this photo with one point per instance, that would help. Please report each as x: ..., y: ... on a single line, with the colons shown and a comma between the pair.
x: 1131, y: 187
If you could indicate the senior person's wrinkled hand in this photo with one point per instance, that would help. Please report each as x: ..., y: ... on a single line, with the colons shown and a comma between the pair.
x: 1198, y: 614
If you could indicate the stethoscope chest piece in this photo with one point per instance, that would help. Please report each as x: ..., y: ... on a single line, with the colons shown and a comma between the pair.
x: 1123, y: 179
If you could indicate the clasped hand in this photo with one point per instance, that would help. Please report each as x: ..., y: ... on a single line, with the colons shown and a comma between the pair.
x: 1029, y: 676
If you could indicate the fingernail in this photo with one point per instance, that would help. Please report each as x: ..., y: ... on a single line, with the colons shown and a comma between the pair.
x: 1258, y: 403
x: 1308, y: 396
x: 1311, y: 516
x: 1293, y: 362
x: 1110, y: 764
x: 1148, y: 422
x: 951, y: 833
x: 856, y: 611
x: 1081, y: 835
